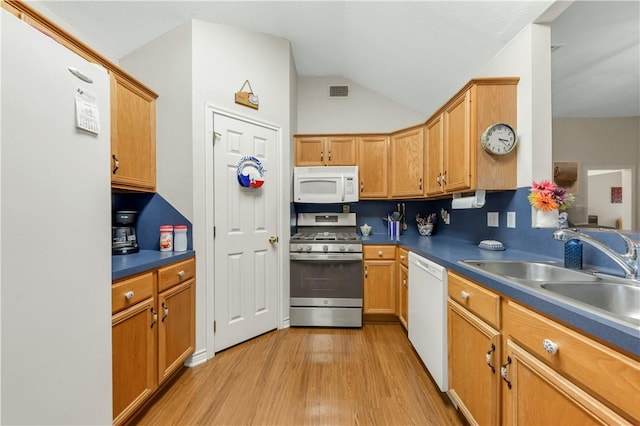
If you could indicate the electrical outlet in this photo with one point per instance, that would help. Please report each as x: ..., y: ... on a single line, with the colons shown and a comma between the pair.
x: 492, y: 219
x: 511, y: 219
x: 346, y: 208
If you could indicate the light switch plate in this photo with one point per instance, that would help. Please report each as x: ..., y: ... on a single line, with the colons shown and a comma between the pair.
x: 492, y: 219
x: 511, y: 219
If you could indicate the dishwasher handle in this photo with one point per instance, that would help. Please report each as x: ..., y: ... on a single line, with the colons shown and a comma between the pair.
x: 427, y: 266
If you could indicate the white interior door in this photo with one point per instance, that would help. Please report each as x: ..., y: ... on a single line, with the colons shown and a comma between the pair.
x: 246, y: 262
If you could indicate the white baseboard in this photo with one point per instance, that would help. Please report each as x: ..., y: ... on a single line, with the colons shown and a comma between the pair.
x: 199, y: 357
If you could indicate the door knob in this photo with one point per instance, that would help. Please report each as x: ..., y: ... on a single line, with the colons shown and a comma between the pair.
x: 273, y: 239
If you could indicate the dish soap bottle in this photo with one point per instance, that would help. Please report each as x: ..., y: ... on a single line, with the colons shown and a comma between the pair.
x: 573, y: 254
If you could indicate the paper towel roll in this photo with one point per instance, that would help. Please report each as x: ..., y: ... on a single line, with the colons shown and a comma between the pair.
x: 470, y: 202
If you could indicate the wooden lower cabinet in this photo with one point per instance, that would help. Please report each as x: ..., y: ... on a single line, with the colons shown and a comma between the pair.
x: 379, y: 276
x: 539, y: 395
x: 403, y: 286
x: 152, y: 337
x: 511, y: 365
x: 474, y: 371
x: 403, y: 290
x: 133, y: 359
x: 176, y: 328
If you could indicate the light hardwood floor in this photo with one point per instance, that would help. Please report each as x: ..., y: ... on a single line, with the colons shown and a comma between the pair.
x: 298, y: 376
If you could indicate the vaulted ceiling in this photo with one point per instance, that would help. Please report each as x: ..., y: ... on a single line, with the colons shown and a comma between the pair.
x: 416, y: 53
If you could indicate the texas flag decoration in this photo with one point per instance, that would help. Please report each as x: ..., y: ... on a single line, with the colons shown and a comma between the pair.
x: 250, y: 172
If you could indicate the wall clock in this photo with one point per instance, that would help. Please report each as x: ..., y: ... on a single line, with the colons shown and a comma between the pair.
x: 499, y: 139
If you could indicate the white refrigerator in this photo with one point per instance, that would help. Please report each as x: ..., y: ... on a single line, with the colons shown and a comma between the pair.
x: 55, y: 268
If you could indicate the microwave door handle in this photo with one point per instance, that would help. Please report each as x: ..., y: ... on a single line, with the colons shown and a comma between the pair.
x: 344, y: 191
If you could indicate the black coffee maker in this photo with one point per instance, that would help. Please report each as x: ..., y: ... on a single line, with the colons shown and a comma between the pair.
x: 123, y: 232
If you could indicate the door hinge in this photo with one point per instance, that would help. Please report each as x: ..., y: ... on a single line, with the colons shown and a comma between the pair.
x: 214, y: 327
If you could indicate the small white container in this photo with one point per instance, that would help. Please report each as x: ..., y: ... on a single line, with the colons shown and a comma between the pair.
x: 180, y: 238
x: 166, y: 238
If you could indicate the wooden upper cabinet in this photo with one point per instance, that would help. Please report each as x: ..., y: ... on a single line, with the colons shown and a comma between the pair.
x: 433, y: 158
x: 407, y: 168
x: 309, y: 151
x: 466, y: 166
x: 373, y: 166
x: 457, y: 149
x: 341, y: 151
x: 133, y: 136
x: 325, y: 151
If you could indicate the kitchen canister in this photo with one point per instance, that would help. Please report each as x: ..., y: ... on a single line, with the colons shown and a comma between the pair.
x: 180, y: 238
x: 166, y: 238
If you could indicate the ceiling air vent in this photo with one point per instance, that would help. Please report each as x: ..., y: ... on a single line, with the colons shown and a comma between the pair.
x: 338, y: 91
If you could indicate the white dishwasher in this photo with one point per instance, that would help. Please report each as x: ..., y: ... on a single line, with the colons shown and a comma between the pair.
x: 428, y: 316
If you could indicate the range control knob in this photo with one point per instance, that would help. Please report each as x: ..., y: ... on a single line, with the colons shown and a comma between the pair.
x: 325, y: 248
x: 308, y: 248
x: 341, y: 248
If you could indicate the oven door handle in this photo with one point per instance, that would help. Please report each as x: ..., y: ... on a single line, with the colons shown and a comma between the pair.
x: 325, y: 256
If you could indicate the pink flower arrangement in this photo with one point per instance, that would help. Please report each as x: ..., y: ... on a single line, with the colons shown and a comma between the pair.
x: 548, y: 196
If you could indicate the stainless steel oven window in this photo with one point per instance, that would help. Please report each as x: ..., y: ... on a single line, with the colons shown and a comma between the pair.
x: 328, y: 278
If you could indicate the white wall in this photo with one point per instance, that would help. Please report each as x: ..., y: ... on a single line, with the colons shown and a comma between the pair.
x: 599, y: 143
x: 164, y: 65
x: 208, y: 64
x: 528, y: 56
x: 364, y: 111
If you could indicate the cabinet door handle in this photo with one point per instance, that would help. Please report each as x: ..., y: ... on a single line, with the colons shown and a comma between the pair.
x: 181, y: 274
x: 366, y: 271
x: 464, y: 295
x: 489, y: 357
x: 380, y: 253
x: 444, y: 178
x: 129, y: 295
x: 154, y: 315
x: 420, y: 183
x: 361, y: 186
x: 550, y: 346
x: 116, y: 163
x: 504, y: 372
x: 438, y: 179
x: 321, y: 156
x: 165, y: 311
x: 404, y: 282
x: 329, y: 156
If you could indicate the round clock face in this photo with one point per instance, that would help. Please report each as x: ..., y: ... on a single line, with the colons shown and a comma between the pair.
x: 499, y: 139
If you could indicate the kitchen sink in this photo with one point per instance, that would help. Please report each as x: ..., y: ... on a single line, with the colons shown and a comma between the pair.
x: 620, y: 300
x: 613, y: 296
x: 530, y: 271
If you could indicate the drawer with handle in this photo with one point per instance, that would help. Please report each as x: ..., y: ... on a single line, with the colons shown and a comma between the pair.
x: 480, y: 301
x: 379, y: 252
x: 607, y: 373
x: 175, y: 274
x: 128, y: 292
x: 403, y: 256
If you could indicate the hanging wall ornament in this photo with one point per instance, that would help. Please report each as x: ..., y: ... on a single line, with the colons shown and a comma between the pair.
x: 248, y: 99
x: 250, y: 172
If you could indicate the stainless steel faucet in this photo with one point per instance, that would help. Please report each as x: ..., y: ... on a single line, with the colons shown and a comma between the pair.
x: 629, y: 261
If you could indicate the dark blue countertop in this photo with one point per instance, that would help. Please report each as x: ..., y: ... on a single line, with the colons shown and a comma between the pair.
x: 448, y: 251
x: 129, y: 264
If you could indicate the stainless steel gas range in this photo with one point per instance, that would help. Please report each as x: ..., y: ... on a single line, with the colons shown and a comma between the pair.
x: 326, y: 271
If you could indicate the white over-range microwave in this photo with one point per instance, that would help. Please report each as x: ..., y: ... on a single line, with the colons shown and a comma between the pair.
x: 325, y: 184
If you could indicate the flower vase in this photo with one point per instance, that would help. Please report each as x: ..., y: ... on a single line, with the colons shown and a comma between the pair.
x: 425, y: 230
x: 546, y: 219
